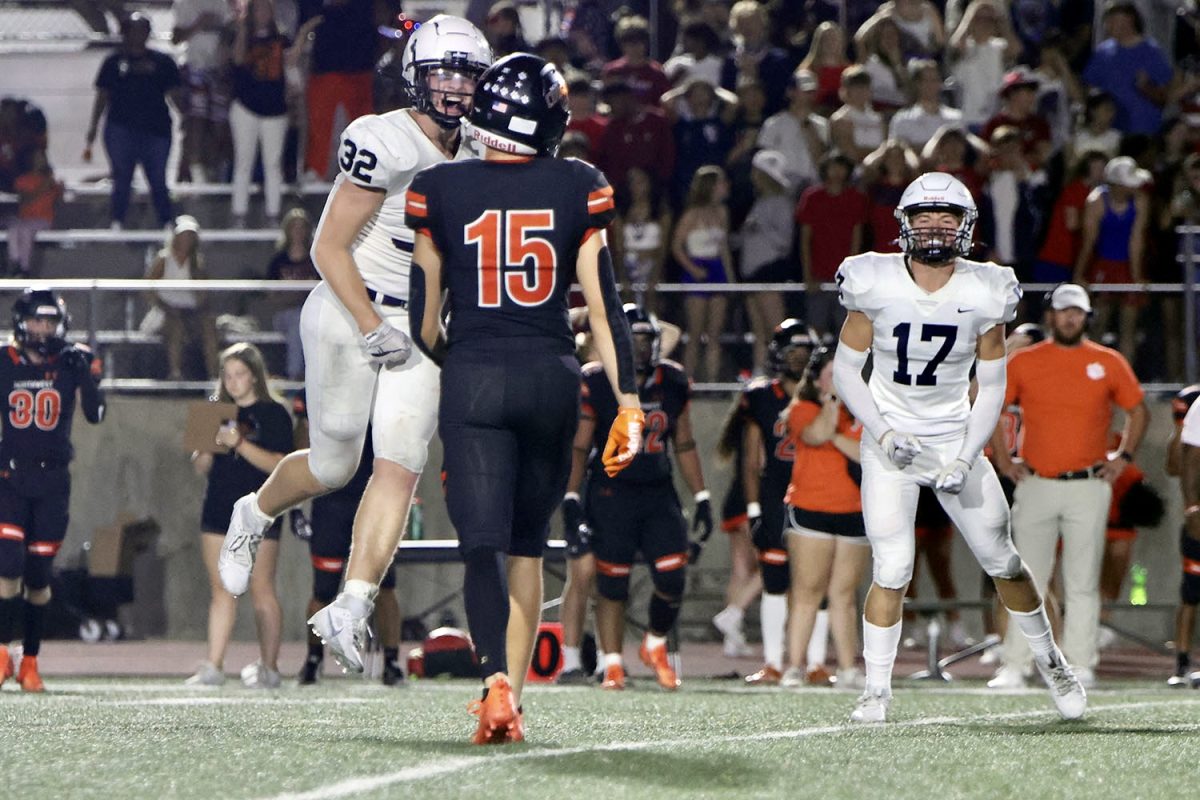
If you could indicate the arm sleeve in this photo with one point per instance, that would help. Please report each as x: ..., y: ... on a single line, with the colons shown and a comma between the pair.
x: 853, y: 390
x: 91, y: 398
x: 416, y: 203
x: 617, y: 324
x: 416, y: 314
x: 601, y: 210
x: 992, y: 377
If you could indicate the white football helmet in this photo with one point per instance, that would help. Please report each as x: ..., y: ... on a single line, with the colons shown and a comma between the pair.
x: 936, y: 191
x: 443, y: 43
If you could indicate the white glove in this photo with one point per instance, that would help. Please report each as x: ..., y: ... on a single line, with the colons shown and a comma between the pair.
x: 900, y: 448
x: 953, y: 477
x: 387, y: 346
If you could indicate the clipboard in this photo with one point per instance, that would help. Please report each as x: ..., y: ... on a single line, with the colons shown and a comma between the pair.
x: 204, y: 419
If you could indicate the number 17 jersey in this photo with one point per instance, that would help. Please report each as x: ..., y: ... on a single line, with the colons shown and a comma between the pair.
x: 923, y: 343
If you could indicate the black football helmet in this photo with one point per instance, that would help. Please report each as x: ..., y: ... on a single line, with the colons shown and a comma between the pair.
x: 790, y: 334
x: 647, y: 336
x: 43, y: 304
x: 520, y: 106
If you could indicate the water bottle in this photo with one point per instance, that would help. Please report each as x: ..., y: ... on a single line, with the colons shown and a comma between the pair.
x: 416, y: 521
x: 1137, y: 588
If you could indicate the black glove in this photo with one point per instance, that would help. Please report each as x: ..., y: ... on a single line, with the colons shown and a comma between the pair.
x: 702, y: 521
x: 76, y: 359
x: 575, y: 528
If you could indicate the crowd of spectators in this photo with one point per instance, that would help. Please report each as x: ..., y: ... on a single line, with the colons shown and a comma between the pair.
x: 1075, y: 125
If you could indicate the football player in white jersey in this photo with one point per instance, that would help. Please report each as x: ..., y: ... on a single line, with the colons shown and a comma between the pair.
x: 928, y: 316
x: 361, y: 366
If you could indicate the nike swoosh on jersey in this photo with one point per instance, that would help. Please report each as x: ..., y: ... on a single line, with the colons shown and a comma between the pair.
x: 965, y: 310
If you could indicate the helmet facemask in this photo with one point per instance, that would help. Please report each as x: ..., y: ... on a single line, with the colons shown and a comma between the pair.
x: 442, y: 90
x: 646, y: 347
x: 793, y: 360
x: 44, y: 344
x: 936, y: 246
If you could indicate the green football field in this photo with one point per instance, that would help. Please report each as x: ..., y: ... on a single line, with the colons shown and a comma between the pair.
x: 154, y: 739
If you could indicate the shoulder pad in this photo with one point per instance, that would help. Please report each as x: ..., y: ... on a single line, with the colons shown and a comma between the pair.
x: 375, y: 151
x: 856, y: 278
x: 1184, y: 400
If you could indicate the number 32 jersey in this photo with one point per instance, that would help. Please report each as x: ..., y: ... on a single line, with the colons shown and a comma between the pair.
x: 924, y: 342
x: 384, y: 152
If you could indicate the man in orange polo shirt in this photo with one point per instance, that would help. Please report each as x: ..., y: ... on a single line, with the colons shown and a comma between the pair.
x: 1066, y: 387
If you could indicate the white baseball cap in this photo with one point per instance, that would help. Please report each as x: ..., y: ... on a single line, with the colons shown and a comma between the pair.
x: 186, y: 222
x: 1124, y: 171
x: 773, y: 164
x: 1070, y: 295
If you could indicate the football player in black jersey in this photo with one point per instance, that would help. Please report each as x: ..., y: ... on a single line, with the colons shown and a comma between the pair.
x: 40, y: 373
x: 505, y: 237
x: 1189, y: 539
x: 766, y: 470
x: 638, y: 510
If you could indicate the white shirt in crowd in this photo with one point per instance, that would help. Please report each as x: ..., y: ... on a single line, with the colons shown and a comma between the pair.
x: 978, y: 75
x: 916, y: 126
x: 202, y: 49
x: 783, y: 132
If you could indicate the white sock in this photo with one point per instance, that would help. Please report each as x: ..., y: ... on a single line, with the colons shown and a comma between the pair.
x: 601, y: 661
x: 364, y: 590
x: 612, y: 660
x: 772, y: 611
x: 734, y: 612
x: 818, y: 643
x: 1036, y: 627
x: 261, y: 515
x: 570, y: 658
x: 879, y: 653
x: 653, y: 642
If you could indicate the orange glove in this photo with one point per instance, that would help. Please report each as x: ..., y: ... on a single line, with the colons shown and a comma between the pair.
x: 624, y: 440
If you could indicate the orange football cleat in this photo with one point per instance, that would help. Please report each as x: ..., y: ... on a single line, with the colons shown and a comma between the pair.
x: 614, y: 677
x: 6, y: 666
x: 818, y: 676
x: 497, y: 715
x: 656, y: 658
x: 767, y: 676
x: 28, y: 676
x: 516, y: 731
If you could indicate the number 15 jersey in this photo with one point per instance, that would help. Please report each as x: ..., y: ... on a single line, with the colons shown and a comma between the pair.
x: 509, y: 233
x: 923, y: 343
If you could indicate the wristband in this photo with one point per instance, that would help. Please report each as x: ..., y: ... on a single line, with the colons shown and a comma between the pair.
x: 753, y: 510
x: 702, y: 495
x: 1192, y: 509
x: 571, y: 496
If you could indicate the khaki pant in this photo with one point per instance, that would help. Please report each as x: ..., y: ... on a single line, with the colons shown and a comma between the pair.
x: 1043, y: 510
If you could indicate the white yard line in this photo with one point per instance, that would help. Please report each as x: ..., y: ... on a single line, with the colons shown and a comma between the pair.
x: 258, y: 699
x: 448, y: 766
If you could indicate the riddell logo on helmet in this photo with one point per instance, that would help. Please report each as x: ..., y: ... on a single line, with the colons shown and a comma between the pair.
x: 489, y: 139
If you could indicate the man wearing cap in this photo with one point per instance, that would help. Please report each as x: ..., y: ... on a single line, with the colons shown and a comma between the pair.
x: 1113, y: 243
x: 1132, y: 68
x: 1018, y: 108
x: 801, y: 134
x: 1066, y: 387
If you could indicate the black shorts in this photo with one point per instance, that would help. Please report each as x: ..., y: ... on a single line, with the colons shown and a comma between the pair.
x: 507, y: 419
x: 333, y: 529
x: 217, y: 511
x: 733, y: 510
x: 630, y: 518
x: 848, y: 525
x: 34, y: 504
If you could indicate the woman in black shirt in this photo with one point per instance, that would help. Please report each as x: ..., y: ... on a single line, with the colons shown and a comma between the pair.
x: 256, y: 442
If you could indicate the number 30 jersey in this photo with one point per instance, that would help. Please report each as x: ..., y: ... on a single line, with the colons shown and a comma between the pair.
x: 509, y: 233
x: 384, y: 152
x: 924, y: 343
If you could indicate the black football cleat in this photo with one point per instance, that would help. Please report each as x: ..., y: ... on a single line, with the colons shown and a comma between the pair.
x: 311, y: 671
x: 393, y: 675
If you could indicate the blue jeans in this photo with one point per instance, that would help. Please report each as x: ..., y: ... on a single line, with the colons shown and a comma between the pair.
x: 127, y: 148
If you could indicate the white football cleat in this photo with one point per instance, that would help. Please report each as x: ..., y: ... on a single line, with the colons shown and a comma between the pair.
x: 872, y: 706
x: 206, y: 675
x: 792, y: 678
x: 247, y: 526
x: 1007, y: 677
x: 1068, y: 693
x: 850, y: 678
x: 342, y: 626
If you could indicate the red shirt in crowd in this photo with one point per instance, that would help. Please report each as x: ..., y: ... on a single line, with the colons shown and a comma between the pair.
x: 648, y: 80
x: 643, y: 140
x: 1062, y: 244
x: 591, y: 127
x: 1034, y: 131
x: 833, y: 217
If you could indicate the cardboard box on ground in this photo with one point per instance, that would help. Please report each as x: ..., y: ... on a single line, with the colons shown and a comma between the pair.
x: 113, y: 547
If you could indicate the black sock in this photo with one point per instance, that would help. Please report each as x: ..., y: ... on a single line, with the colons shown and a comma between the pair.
x: 316, y: 651
x: 8, y: 618
x: 35, y: 616
x: 391, y: 654
x: 485, y: 596
x: 663, y: 614
x: 1182, y: 663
